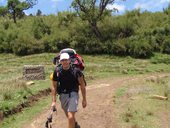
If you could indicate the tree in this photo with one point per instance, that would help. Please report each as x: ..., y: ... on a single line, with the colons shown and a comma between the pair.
x: 39, y: 13
x: 16, y: 8
x: 3, y: 11
x: 167, y: 10
x: 88, y: 10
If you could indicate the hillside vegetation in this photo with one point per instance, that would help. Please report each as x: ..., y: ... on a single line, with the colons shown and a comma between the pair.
x: 135, y: 33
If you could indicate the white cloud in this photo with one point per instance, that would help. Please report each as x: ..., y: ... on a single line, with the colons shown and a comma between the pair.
x: 151, y: 4
x: 121, y: 8
x: 141, y: 5
x: 26, y: 13
x: 164, y: 1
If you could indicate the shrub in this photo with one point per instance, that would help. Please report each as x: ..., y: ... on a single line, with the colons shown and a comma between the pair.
x: 62, y: 43
x: 6, y: 39
x: 6, y: 25
x: 80, y: 43
x: 167, y: 30
x: 6, y: 47
x: 119, y: 47
x: 88, y: 46
x: 40, y: 28
x: 93, y: 46
x: 49, y: 44
x: 166, y: 45
x: 138, y: 48
x: 124, y: 28
x: 2, y: 34
x: 25, y: 44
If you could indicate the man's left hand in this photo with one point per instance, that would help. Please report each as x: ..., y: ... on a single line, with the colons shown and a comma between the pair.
x: 84, y: 103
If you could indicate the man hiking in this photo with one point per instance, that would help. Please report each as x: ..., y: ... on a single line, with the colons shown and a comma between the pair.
x: 69, y: 79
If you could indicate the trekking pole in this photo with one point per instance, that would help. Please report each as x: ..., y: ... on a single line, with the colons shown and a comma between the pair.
x: 48, y: 123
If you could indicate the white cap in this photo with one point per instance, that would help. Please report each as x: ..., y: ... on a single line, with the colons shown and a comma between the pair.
x: 64, y: 56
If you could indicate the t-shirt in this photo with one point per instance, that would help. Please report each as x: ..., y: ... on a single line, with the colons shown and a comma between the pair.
x: 67, y: 79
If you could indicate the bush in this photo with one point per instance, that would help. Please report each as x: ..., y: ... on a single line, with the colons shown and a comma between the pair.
x: 8, y: 33
x: 88, y: 46
x: 139, y: 48
x: 115, y: 47
x: 6, y: 25
x: 25, y: 44
x: 167, y: 30
x: 166, y: 45
x: 119, y: 47
x: 157, y: 43
x: 6, y: 47
x: 125, y: 28
x: 6, y: 39
x: 2, y: 34
x: 79, y: 43
x: 49, y: 44
x: 40, y: 28
x: 122, y: 35
x: 93, y: 46
x: 63, y: 43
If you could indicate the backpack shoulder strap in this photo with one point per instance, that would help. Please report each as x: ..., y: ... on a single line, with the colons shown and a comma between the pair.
x: 58, y: 70
x: 75, y: 69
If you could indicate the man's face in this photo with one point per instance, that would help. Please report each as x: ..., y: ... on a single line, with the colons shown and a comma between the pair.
x: 65, y: 63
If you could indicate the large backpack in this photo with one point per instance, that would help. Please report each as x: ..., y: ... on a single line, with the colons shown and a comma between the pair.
x: 76, y: 62
x: 76, y: 59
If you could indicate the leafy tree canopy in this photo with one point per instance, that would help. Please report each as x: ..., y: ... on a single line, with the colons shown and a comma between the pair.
x: 16, y: 7
x: 92, y: 11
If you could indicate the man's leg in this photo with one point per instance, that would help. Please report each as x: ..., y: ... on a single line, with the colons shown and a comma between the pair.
x: 69, y: 106
x: 71, y: 119
x: 72, y: 109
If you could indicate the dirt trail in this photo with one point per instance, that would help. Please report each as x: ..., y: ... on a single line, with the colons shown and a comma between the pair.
x: 99, y: 112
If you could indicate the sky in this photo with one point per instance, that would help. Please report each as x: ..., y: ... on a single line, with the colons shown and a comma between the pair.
x: 54, y: 6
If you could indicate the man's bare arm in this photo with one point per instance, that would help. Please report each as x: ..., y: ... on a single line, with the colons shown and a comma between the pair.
x: 53, y: 92
x: 83, y: 91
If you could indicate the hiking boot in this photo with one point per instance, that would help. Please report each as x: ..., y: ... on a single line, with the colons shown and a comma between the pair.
x: 77, y: 125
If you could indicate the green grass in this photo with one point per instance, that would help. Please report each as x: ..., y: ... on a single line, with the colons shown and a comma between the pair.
x: 19, y: 95
x: 97, y: 66
x: 18, y: 120
x: 108, y: 65
x: 138, y: 109
x: 121, y: 91
x: 11, y: 70
x: 13, y: 91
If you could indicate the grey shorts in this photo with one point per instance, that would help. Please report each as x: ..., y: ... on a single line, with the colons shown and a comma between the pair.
x: 69, y: 103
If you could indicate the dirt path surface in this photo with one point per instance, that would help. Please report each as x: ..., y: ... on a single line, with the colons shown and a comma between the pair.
x: 99, y: 112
